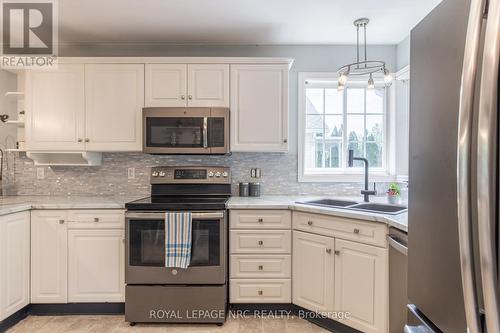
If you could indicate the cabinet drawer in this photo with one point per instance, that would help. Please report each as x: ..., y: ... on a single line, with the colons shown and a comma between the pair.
x: 260, y: 219
x: 103, y: 218
x: 372, y: 233
x: 260, y: 266
x: 260, y: 291
x: 265, y: 241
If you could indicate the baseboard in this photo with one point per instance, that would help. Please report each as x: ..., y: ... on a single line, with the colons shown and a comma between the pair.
x: 326, y: 323
x: 14, y: 318
x: 77, y: 309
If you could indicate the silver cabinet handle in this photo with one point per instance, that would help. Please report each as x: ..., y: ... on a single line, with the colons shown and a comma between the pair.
x: 486, y: 166
x: 61, y: 221
x: 328, y: 251
x: 260, y: 220
x: 337, y: 252
x: 205, y: 132
x: 80, y: 140
x: 96, y: 219
x: 190, y: 97
x: 393, y: 242
x: 309, y: 223
x: 261, y: 267
x: 285, y: 140
x: 356, y: 231
x: 261, y: 242
x: 87, y: 140
x: 260, y: 292
x: 183, y: 97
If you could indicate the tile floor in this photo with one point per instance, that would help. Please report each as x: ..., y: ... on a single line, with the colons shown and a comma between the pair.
x: 105, y: 324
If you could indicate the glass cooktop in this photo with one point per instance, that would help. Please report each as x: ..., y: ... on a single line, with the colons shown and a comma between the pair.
x: 179, y: 203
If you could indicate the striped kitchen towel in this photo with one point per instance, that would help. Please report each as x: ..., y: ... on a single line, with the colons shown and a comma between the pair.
x: 178, y: 239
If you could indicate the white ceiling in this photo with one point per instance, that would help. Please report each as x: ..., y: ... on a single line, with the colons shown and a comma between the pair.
x: 237, y: 21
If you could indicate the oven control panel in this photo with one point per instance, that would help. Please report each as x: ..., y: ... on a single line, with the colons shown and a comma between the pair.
x: 188, y: 174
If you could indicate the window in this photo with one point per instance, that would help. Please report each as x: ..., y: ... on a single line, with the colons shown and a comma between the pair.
x: 331, y: 122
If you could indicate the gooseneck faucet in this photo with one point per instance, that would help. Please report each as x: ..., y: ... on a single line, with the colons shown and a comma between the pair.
x: 366, y: 192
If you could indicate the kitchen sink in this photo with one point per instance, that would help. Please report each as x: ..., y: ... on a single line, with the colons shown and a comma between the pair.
x: 353, y: 205
x: 380, y: 208
x: 329, y: 203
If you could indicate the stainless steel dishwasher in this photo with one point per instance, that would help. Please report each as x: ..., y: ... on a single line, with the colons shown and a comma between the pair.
x: 398, y: 279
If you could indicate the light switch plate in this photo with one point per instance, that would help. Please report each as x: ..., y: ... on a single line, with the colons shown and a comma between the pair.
x: 40, y: 173
x: 131, y: 173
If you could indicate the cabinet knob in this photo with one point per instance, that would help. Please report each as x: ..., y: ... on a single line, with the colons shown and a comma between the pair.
x: 261, y: 242
x: 337, y: 252
x: 309, y: 222
x: 328, y: 251
x: 61, y: 221
x: 356, y: 230
x: 183, y: 97
x: 80, y: 140
x: 87, y: 140
x: 190, y: 97
x: 260, y: 292
x: 261, y: 220
x: 96, y: 219
x: 261, y: 267
x: 285, y: 140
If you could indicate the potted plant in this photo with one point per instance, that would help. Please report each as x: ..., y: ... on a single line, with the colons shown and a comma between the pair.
x: 393, y: 193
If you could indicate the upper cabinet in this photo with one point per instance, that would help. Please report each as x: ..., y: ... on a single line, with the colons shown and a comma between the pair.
x: 193, y: 85
x: 259, y: 108
x: 55, y: 109
x: 114, y: 98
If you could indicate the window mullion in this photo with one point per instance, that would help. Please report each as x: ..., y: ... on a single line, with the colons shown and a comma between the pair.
x: 344, y: 132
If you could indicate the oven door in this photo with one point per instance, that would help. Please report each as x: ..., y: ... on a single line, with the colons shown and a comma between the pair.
x: 185, y: 130
x: 145, y: 250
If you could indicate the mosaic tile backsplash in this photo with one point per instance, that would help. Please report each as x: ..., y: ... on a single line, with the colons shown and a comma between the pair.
x: 279, y: 175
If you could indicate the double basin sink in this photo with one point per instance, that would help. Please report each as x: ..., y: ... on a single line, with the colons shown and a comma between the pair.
x: 353, y: 205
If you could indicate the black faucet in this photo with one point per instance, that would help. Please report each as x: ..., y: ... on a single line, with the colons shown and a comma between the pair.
x: 366, y: 192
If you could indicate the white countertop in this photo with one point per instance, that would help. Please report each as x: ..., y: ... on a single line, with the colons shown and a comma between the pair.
x: 399, y: 221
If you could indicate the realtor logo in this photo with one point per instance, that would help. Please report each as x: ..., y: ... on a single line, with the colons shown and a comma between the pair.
x: 29, y: 34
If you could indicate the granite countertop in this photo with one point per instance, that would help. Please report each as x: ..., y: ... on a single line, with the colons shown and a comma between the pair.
x: 13, y: 204
x: 399, y: 221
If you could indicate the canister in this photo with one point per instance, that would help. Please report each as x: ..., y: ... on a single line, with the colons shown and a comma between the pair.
x: 254, y: 189
x: 244, y: 189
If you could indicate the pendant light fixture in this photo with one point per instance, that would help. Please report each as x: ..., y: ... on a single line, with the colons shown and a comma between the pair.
x: 363, y: 67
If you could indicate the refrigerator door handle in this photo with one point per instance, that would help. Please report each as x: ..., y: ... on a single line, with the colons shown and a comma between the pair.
x: 469, y: 74
x: 487, y: 166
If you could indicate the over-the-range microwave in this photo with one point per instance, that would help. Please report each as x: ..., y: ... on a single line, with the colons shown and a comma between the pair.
x: 185, y: 130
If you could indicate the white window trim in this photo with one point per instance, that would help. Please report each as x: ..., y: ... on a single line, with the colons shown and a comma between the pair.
x: 356, y: 175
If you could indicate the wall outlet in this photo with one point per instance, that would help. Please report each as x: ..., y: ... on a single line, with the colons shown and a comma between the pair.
x: 40, y: 173
x: 255, y: 172
x: 131, y: 173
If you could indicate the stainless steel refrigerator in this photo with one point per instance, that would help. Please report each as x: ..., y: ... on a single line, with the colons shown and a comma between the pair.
x: 453, y: 249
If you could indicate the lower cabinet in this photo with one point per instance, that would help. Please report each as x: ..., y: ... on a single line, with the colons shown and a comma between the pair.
x: 92, y: 251
x: 14, y: 263
x: 77, y: 256
x: 313, y: 271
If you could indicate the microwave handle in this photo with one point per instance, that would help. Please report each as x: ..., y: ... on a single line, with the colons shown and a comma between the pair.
x: 205, y: 132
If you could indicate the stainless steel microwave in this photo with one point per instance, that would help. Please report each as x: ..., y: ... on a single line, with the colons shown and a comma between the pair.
x: 186, y: 130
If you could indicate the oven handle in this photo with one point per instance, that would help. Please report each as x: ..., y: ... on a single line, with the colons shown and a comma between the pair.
x: 161, y: 215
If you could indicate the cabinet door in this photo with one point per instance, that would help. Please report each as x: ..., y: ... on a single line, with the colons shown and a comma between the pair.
x: 114, y: 96
x: 49, y: 252
x: 96, y: 265
x: 313, y: 270
x: 259, y: 108
x: 55, y: 109
x: 361, y: 283
x: 14, y: 262
x: 166, y: 85
x: 208, y: 85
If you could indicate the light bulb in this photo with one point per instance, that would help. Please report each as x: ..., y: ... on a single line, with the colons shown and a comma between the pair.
x: 371, y: 84
x: 387, y: 77
x: 340, y: 86
x: 343, y: 78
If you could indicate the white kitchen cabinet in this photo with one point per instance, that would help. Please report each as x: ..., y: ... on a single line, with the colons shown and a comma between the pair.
x: 166, y: 85
x: 49, y: 259
x: 55, y: 109
x: 14, y: 263
x: 259, y: 108
x: 313, y: 271
x: 208, y: 85
x: 191, y: 85
x: 361, y: 285
x: 114, y: 98
x: 96, y: 265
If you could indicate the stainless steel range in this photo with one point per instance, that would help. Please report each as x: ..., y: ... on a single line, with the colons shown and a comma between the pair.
x: 155, y: 293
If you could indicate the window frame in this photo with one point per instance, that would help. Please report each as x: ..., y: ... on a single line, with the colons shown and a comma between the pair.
x: 329, y: 80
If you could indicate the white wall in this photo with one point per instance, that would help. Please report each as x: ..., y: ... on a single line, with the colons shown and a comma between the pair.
x: 403, y: 53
